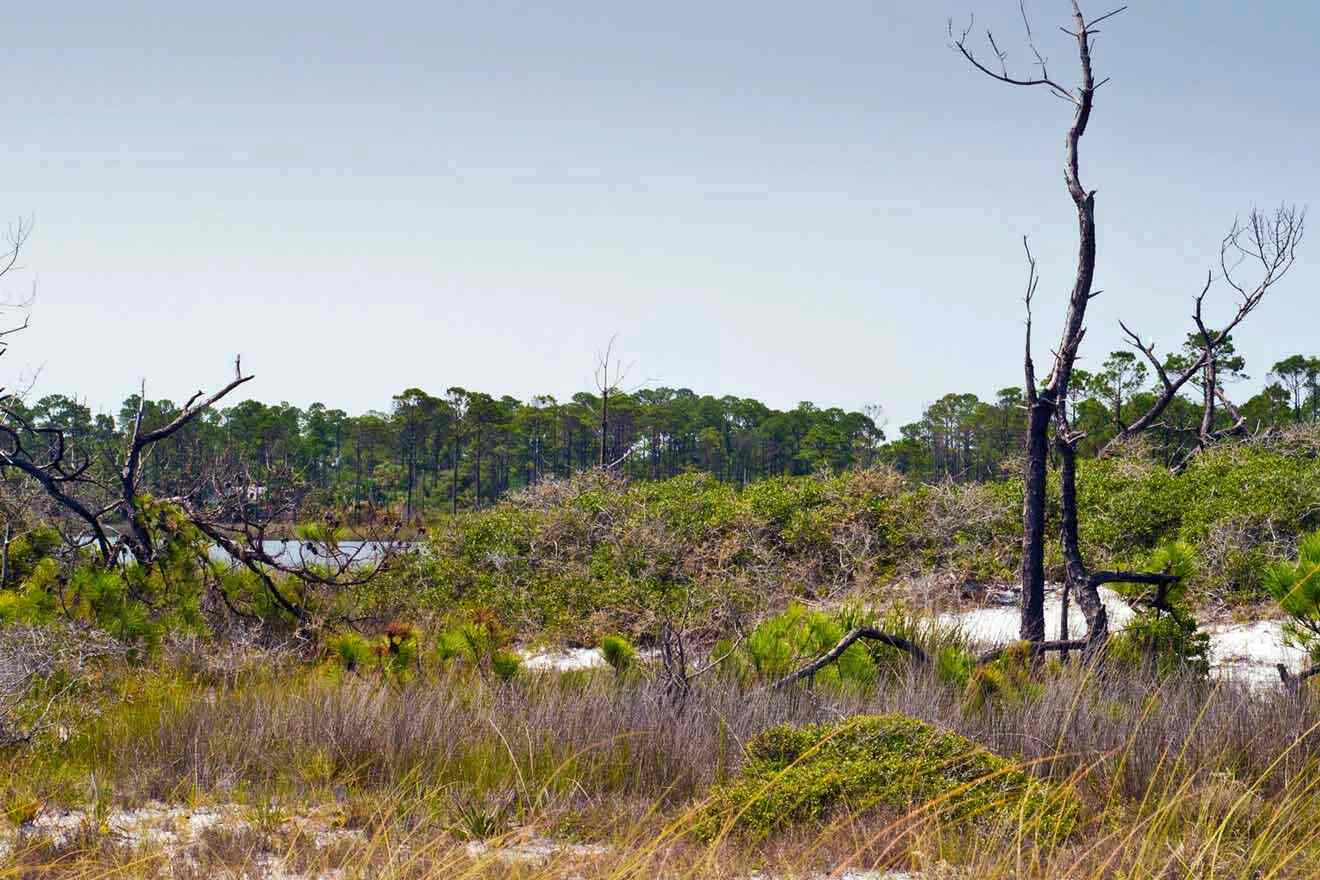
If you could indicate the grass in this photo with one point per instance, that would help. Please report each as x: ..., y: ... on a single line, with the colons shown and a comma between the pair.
x: 1175, y: 777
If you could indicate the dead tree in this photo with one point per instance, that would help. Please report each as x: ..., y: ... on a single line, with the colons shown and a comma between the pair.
x: 610, y: 375
x: 1269, y: 241
x: 1045, y: 401
x: 121, y: 523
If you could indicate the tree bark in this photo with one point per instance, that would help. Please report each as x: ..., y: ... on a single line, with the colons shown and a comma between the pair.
x: 1078, y: 582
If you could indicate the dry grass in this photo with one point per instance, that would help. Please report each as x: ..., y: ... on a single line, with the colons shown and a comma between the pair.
x: 1179, y: 778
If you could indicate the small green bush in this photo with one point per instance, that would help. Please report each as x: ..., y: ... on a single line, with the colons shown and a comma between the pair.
x: 1005, y: 680
x: 1167, y: 639
x: 350, y: 651
x: 618, y: 653
x: 505, y: 665
x: 783, y: 643
x: 481, y: 645
x: 1295, y: 585
x: 1164, y: 643
x: 797, y: 775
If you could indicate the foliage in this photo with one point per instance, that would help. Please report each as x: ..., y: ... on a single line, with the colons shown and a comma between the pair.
x: 1295, y: 585
x: 596, y: 554
x: 505, y: 664
x: 460, y: 449
x: 618, y: 653
x: 1005, y: 680
x: 1164, y: 635
x: 480, y: 645
x: 135, y: 604
x: 1164, y: 643
x: 394, y: 653
x: 351, y: 651
x: 803, y: 774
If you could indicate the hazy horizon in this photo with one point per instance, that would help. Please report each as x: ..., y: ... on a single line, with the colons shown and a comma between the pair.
x: 765, y: 200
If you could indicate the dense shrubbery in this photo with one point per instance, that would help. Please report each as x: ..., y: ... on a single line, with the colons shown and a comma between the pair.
x: 578, y: 559
x: 136, y: 604
x: 1240, y: 507
x: 594, y: 554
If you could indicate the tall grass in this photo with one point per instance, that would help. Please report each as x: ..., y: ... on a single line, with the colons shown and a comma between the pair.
x: 1178, y: 777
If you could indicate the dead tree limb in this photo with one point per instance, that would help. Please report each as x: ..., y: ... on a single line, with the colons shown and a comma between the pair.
x: 1266, y: 241
x: 1037, y: 648
x: 140, y: 543
x: 1292, y: 682
x: 861, y: 632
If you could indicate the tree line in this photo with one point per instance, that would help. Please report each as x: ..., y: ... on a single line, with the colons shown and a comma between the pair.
x: 962, y: 437
x: 464, y: 449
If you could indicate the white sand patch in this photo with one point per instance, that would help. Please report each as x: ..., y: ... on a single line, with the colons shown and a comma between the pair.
x: 1243, y: 651
x: 996, y: 623
x: 1252, y: 651
x: 572, y: 659
x: 178, y: 828
x: 269, y: 867
x: 533, y: 851
x: 568, y: 660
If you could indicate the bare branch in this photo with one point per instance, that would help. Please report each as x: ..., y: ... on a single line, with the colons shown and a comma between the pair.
x: 861, y: 632
x: 960, y: 43
x: 1268, y: 241
x: 1032, y: 281
x: 1091, y: 25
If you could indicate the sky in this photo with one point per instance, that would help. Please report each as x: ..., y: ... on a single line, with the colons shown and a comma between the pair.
x: 782, y: 200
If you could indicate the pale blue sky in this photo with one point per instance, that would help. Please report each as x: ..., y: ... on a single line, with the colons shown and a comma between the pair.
x: 782, y: 200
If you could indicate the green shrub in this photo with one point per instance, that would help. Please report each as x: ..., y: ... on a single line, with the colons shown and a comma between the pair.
x: 797, y: 775
x: 350, y: 651
x: 1164, y: 643
x: 480, y: 645
x: 505, y: 664
x: 1165, y: 639
x: 1295, y: 585
x: 618, y: 653
x: 319, y: 532
x: 1005, y: 680
x: 785, y: 642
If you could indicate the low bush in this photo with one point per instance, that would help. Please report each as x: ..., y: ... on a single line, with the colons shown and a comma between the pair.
x: 804, y: 774
x: 1295, y: 585
x: 1164, y: 635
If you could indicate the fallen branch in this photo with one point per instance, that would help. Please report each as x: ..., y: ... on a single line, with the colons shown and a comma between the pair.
x: 1292, y: 682
x: 1036, y: 648
x: 861, y: 632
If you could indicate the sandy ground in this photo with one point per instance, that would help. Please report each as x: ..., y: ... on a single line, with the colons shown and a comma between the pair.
x: 1237, y: 650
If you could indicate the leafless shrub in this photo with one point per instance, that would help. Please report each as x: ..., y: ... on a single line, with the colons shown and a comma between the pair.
x: 555, y: 492
x: 31, y: 656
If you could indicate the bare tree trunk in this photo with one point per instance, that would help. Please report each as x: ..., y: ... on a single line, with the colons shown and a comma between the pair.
x: 4, y: 556
x: 1078, y: 581
x: 1032, y: 626
x: 453, y: 485
x: 604, y: 422
x: 477, y: 469
x: 1043, y: 403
